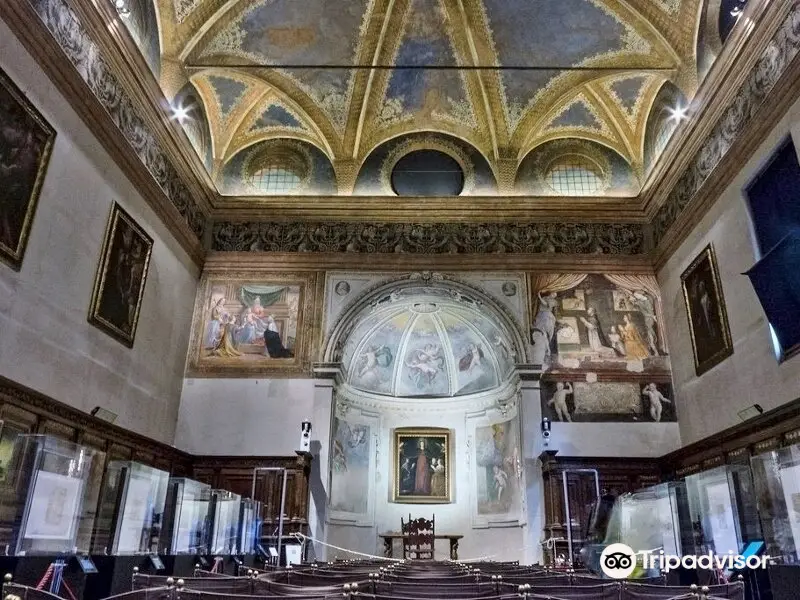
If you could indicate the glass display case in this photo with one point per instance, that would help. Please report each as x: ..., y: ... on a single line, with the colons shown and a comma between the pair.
x: 225, y: 531
x: 650, y: 519
x: 186, y: 518
x: 250, y: 529
x: 776, y: 477
x: 723, y: 510
x: 48, y: 496
x: 132, y: 509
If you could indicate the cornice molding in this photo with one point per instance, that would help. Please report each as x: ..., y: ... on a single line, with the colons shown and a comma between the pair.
x: 750, y: 78
x: 294, y: 262
x: 460, y: 209
x: 430, y: 238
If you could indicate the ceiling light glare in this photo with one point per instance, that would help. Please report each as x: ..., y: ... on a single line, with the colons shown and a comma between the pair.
x: 679, y: 113
x: 180, y: 112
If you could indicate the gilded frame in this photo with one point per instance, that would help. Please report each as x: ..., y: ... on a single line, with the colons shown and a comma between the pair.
x: 405, y: 435
x: 300, y: 364
x: 118, y: 219
x: 14, y: 256
x: 725, y: 344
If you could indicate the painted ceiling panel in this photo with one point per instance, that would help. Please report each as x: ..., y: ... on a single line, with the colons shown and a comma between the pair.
x: 628, y: 90
x: 578, y: 114
x: 553, y: 33
x: 228, y: 92
x: 275, y: 115
x: 366, y: 80
x: 288, y: 32
x: 330, y: 89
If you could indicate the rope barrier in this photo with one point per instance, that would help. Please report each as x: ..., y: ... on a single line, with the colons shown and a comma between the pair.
x: 45, y: 578
x: 301, y: 537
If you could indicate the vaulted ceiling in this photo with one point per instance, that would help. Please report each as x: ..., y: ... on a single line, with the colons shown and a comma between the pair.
x: 508, y: 88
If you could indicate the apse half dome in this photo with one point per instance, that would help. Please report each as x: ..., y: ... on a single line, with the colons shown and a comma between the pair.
x: 427, y: 346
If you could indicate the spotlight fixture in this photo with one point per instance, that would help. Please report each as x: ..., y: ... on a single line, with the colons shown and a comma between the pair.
x: 122, y: 8
x: 737, y: 11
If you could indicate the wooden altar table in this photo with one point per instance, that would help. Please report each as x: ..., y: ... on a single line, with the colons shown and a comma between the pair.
x: 390, y: 536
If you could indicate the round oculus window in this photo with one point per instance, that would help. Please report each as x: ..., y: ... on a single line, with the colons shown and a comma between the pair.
x: 427, y: 173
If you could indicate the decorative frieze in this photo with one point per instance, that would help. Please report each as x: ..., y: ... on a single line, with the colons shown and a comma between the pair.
x: 774, y: 61
x: 86, y: 56
x: 430, y: 238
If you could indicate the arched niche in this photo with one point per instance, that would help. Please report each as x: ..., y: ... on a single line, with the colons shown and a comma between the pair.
x: 425, y: 353
x: 575, y: 167
x: 661, y: 123
x: 279, y: 166
x: 375, y: 175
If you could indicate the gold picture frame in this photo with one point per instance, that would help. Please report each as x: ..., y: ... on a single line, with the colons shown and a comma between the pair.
x: 29, y: 139
x: 705, y: 309
x: 229, y: 336
x: 121, y: 277
x: 422, y: 448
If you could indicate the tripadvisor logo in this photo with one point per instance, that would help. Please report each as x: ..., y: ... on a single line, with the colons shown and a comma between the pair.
x: 619, y: 560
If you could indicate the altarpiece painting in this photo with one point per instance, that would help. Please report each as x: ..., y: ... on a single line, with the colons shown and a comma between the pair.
x: 422, y: 466
x: 26, y: 141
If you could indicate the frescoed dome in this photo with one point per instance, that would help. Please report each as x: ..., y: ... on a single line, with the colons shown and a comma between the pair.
x: 427, y: 342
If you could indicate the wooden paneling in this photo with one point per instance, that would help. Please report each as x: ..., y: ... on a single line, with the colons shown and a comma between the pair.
x: 771, y: 430
x: 26, y: 411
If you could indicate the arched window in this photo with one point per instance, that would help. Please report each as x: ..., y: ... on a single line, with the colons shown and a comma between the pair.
x: 575, y: 175
x: 279, y: 172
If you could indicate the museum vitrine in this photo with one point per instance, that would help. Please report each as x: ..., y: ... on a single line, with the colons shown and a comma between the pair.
x: 186, y: 520
x: 723, y: 509
x: 132, y: 509
x: 225, y: 530
x: 250, y: 526
x: 48, y: 496
x: 651, y: 519
x: 776, y: 477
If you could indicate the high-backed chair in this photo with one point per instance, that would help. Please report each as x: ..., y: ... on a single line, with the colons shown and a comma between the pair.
x: 418, y: 537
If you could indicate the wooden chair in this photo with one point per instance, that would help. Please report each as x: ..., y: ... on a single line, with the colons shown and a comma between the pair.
x: 418, y: 537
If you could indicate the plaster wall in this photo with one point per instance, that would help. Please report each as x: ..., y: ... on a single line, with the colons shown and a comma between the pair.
x: 710, y: 403
x: 47, y: 343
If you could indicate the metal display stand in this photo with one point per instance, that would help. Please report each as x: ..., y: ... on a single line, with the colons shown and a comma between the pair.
x: 284, y: 482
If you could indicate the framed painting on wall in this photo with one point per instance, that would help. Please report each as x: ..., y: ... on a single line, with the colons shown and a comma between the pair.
x: 422, y: 470
x: 26, y: 141
x: 705, y: 307
x: 121, y: 276
x: 251, y: 324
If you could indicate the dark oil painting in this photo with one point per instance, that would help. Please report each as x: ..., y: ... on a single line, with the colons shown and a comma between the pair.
x: 121, y: 276
x: 26, y: 141
x: 705, y: 305
x: 421, y: 466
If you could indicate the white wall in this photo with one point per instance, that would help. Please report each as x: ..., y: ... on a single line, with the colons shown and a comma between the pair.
x: 709, y: 404
x: 255, y: 417
x: 47, y: 343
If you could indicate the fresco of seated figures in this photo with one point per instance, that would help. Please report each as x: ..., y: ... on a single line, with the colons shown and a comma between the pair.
x: 597, y: 323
